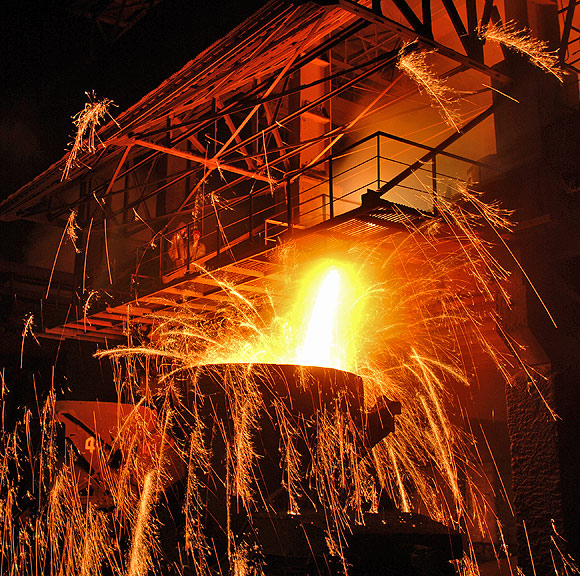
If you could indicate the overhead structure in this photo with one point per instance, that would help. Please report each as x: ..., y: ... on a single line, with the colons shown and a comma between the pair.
x: 314, y: 125
x: 569, y: 48
x: 280, y: 126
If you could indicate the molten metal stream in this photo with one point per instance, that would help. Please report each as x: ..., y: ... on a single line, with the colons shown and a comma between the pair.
x: 320, y: 346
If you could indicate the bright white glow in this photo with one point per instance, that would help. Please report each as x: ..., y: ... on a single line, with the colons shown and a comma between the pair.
x: 320, y: 346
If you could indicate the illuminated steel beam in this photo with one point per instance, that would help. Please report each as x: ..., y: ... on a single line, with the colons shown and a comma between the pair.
x: 566, y: 30
x: 378, y: 64
x: 475, y: 44
x: 412, y: 36
x: 271, y: 117
x: 63, y: 332
x: 457, y: 23
x: 427, y: 19
x: 234, y: 132
x: 88, y: 328
x: 432, y: 153
x: 207, y: 162
x: 118, y: 169
x: 411, y: 17
x: 247, y: 100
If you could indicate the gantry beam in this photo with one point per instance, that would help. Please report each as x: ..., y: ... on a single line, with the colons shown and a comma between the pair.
x: 412, y: 36
x: 207, y: 162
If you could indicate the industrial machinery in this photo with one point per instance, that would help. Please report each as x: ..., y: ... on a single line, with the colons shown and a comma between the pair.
x: 267, y: 459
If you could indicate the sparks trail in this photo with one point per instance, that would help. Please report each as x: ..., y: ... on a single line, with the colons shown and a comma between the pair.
x: 415, y: 65
x: 209, y: 407
x: 519, y: 40
x: 86, y: 123
x: 140, y: 554
x: 26, y: 331
x: 70, y: 230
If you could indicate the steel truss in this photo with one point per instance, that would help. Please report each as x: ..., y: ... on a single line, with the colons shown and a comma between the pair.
x: 229, y: 138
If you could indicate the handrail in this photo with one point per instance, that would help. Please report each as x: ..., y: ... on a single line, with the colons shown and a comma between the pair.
x: 329, y: 195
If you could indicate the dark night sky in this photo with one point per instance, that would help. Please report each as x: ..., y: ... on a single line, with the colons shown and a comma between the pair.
x: 49, y: 57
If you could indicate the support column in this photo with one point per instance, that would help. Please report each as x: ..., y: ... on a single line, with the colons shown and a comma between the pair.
x: 529, y: 186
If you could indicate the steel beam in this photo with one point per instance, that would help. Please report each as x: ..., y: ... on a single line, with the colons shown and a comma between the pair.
x: 118, y: 169
x: 566, y: 30
x: 453, y: 14
x: 234, y: 132
x: 379, y: 63
x: 411, y: 36
x: 271, y: 118
x: 437, y: 150
x: 427, y: 19
x: 207, y: 162
x: 410, y: 16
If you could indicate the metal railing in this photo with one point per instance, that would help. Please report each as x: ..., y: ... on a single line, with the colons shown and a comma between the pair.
x: 315, y: 194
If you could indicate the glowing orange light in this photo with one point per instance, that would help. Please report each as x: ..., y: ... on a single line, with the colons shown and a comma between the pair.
x: 320, y: 347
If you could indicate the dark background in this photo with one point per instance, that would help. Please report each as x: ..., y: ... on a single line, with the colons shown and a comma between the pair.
x: 50, y: 56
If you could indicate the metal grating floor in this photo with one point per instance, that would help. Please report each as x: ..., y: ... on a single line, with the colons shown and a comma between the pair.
x: 252, y: 277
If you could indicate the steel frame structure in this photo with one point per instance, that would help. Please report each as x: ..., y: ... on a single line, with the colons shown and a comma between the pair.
x: 226, y: 134
x: 569, y: 49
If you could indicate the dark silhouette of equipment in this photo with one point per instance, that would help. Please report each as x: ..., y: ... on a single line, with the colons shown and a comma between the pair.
x: 247, y: 416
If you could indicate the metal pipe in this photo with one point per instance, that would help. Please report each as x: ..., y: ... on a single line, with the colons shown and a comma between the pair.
x: 289, y: 204
x: 330, y: 187
x: 379, y: 160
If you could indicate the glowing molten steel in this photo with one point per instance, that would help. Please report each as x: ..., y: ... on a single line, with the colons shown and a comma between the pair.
x: 320, y: 346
